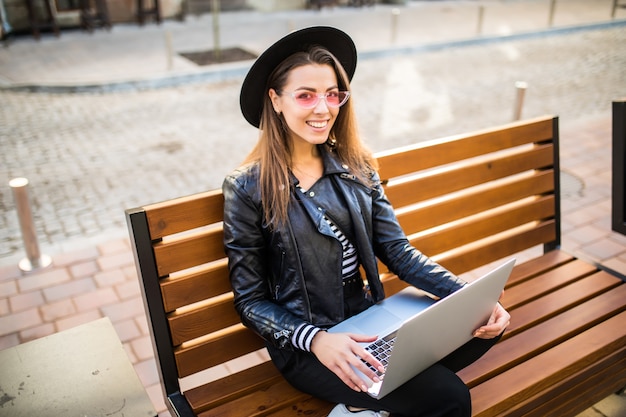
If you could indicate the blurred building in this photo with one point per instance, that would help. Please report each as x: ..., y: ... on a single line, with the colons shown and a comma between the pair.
x: 19, y: 15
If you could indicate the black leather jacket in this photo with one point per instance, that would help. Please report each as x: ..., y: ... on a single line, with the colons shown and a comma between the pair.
x: 285, y: 277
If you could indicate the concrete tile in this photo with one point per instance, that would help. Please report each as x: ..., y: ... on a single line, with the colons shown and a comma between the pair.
x: 58, y: 310
x: 127, y: 330
x: 10, y: 272
x: 619, y: 238
x: 75, y: 257
x: 77, y: 320
x: 37, y: 332
x: 129, y: 352
x: 116, y: 260
x: 69, y: 289
x: 84, y: 269
x: 616, y: 264
x: 142, y: 347
x: 25, y: 301
x: 9, y: 340
x: 131, y: 273
x: 114, y: 246
x: 43, y: 279
x: 95, y: 299
x: 155, y: 392
x: 147, y: 372
x: 613, y: 405
x: 578, y: 218
x: 109, y: 278
x: 603, y: 249
x: 4, y: 306
x: 586, y: 233
x: 8, y: 288
x: 15, y: 322
x: 124, y: 310
x: 128, y: 289
x: 142, y: 323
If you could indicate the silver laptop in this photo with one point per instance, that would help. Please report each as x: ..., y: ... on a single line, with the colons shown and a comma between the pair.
x: 422, y: 331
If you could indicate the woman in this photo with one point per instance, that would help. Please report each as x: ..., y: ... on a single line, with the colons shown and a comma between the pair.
x: 304, y: 214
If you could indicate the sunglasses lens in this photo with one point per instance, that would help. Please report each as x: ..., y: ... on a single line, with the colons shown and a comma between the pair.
x: 333, y: 98
x: 306, y: 99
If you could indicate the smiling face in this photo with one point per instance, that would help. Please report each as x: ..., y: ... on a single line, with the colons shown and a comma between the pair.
x: 307, y: 125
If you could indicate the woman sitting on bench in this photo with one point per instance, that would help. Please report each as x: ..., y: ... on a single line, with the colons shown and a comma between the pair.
x: 305, y: 214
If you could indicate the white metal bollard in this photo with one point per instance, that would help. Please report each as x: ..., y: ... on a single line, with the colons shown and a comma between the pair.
x: 520, y: 87
x: 481, y: 16
x: 395, y: 13
x: 169, y: 50
x: 551, y: 13
x: 34, y: 258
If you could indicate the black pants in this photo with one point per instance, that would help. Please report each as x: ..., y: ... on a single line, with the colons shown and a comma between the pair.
x: 437, y: 391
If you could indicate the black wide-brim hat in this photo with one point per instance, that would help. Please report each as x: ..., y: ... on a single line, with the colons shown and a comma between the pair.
x: 254, y: 85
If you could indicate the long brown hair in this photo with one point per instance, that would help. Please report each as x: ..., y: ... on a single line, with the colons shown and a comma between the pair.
x: 273, y: 150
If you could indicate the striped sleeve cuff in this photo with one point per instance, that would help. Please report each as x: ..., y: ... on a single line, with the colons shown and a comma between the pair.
x: 303, y: 336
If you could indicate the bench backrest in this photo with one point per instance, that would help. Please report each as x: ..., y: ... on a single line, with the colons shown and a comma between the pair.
x: 465, y: 201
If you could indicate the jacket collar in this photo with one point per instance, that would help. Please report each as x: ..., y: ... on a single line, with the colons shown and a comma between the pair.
x: 332, y: 164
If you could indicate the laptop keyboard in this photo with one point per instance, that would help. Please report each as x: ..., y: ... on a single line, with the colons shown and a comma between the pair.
x: 381, y: 350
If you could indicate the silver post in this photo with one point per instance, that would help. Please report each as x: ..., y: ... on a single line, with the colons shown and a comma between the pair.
x: 551, y: 14
x: 34, y: 259
x: 481, y: 14
x: 215, y: 7
x: 169, y: 49
x: 520, y: 86
x: 395, y: 12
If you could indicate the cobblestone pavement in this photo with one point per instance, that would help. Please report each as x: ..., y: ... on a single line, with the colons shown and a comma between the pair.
x: 89, y: 156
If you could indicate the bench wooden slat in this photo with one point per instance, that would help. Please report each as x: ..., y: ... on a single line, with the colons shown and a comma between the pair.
x: 560, y: 300
x: 550, y: 331
x: 184, y: 213
x: 259, y: 403
x: 190, y: 251
x: 467, y: 259
x: 232, y: 386
x: 488, y: 224
x: 430, y: 154
x: 578, y: 392
x: 443, y: 182
x: 234, y: 342
x: 475, y: 201
x: 210, y: 281
x: 203, y: 320
x: 538, y: 265
x: 507, y: 389
x: 546, y: 283
x: 311, y: 407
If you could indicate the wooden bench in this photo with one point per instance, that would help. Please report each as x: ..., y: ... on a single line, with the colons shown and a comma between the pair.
x: 467, y: 201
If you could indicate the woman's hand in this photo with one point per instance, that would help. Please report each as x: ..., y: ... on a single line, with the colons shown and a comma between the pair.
x: 337, y: 351
x: 498, y: 321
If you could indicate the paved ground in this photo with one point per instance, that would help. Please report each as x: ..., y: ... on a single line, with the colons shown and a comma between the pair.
x: 102, y: 122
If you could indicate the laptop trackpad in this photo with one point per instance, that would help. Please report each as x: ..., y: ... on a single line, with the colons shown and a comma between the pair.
x: 372, y: 321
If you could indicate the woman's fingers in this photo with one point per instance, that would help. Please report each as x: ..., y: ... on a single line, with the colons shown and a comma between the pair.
x: 343, y: 355
x: 497, y: 323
